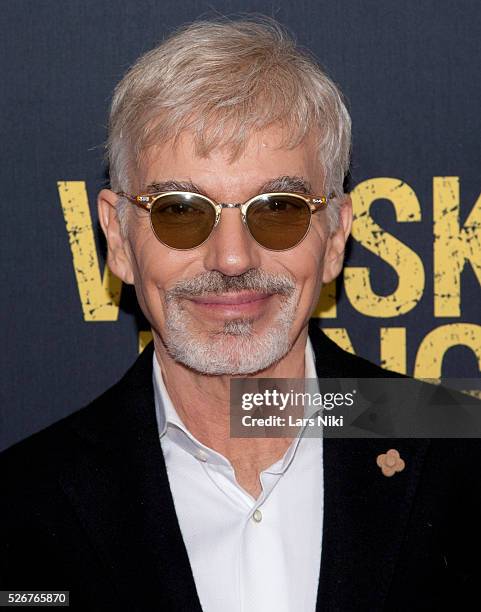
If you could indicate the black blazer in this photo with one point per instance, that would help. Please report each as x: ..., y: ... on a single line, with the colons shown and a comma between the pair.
x: 86, y: 507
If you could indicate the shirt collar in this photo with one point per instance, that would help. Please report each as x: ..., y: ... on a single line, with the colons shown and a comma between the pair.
x: 167, y: 415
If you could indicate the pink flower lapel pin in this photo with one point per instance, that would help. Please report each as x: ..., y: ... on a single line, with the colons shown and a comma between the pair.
x: 390, y: 462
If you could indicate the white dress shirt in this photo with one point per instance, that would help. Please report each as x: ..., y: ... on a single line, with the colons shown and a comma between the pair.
x: 246, y: 554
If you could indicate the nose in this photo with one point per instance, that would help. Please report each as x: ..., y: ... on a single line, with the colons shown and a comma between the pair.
x: 230, y: 249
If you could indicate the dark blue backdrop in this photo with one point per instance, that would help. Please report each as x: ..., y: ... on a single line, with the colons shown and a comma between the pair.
x: 410, y: 71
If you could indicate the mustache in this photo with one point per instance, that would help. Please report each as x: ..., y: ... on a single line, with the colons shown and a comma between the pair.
x: 216, y: 282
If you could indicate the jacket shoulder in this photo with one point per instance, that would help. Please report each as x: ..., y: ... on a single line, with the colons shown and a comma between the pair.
x: 333, y: 361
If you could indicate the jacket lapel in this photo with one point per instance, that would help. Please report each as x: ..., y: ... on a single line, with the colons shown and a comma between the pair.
x: 120, y: 472
x: 365, y: 512
x: 118, y: 469
x: 365, y: 517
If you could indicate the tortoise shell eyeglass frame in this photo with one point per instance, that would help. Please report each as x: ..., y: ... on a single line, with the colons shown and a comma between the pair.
x: 146, y: 202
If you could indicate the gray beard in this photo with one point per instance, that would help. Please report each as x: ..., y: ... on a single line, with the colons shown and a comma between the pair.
x: 238, y: 349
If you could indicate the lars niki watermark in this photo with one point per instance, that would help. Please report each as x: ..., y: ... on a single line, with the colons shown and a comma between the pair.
x: 291, y: 421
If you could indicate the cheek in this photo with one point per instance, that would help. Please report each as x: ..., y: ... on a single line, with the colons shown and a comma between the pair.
x: 150, y: 272
x: 145, y: 255
x: 306, y: 263
x: 157, y: 268
x: 317, y: 244
x: 308, y: 257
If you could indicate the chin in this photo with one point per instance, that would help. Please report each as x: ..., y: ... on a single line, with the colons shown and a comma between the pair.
x: 238, y: 349
x: 235, y: 346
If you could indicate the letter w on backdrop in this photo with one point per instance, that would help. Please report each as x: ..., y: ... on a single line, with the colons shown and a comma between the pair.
x: 99, y: 295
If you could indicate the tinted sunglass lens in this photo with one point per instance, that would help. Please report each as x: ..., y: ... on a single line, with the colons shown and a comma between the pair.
x: 278, y: 222
x: 182, y: 221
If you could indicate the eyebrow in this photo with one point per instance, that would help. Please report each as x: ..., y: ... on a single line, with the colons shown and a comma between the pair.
x: 171, y: 185
x: 294, y: 184
x: 285, y: 183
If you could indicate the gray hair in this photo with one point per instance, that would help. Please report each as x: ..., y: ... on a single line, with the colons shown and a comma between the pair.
x: 223, y: 80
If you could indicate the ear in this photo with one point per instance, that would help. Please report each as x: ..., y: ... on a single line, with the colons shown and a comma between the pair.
x: 118, y: 257
x: 334, y: 257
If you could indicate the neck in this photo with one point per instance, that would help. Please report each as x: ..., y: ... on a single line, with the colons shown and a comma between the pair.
x: 203, y: 404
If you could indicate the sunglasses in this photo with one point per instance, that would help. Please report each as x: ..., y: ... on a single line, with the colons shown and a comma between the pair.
x: 184, y: 220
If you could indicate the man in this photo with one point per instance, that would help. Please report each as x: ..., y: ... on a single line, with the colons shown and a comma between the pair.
x: 228, y: 148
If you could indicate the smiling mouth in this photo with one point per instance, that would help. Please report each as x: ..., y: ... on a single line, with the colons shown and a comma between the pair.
x: 232, y: 304
x: 230, y: 299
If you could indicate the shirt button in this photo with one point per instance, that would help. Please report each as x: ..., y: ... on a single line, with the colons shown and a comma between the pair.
x: 257, y: 516
x: 202, y: 455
